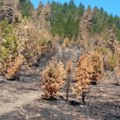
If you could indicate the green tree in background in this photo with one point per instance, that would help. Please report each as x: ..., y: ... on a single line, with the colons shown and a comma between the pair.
x: 102, y: 20
x: 26, y: 7
x: 117, y: 27
x: 98, y: 21
x: 65, y: 19
x: 81, y: 9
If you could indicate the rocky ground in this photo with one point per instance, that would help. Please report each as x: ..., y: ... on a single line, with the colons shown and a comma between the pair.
x: 21, y: 100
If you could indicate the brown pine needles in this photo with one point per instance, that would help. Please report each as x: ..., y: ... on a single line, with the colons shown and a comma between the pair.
x: 53, y: 79
x: 14, y: 66
x: 89, y: 68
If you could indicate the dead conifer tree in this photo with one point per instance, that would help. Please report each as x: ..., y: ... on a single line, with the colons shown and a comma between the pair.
x: 82, y: 77
x: 12, y: 69
x: 97, y: 64
x: 53, y: 79
x: 68, y: 70
x: 89, y: 68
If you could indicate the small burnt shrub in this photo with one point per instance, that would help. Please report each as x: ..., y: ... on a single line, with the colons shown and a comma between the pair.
x: 97, y: 64
x: 53, y: 79
x: 90, y: 67
x: 83, y: 75
x: 13, y: 67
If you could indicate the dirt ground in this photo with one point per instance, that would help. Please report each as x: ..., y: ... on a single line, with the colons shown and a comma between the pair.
x: 21, y: 100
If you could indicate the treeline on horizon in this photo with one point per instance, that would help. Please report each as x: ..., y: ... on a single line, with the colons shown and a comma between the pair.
x: 65, y: 18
